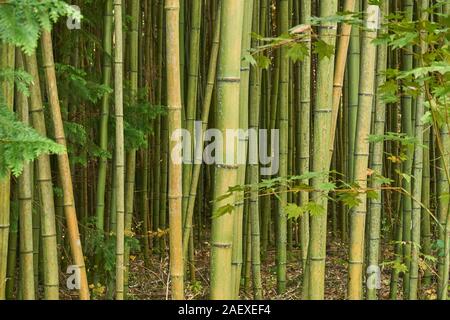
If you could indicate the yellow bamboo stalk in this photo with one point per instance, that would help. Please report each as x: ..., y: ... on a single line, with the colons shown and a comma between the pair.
x: 63, y: 164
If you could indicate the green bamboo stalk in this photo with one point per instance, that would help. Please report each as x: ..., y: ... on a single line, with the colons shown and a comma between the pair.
x: 192, y: 89
x: 119, y: 156
x: 425, y: 223
x: 418, y: 170
x: 164, y: 180
x: 353, y: 79
x: 358, y: 214
x: 284, y: 133
x: 204, y: 118
x: 444, y: 211
x: 25, y: 209
x: 103, y: 131
x: 255, y: 98
x: 133, y: 38
x: 247, y: 252
x: 226, y: 175
x: 36, y: 231
x: 322, y: 124
x: 376, y: 164
x: 304, y: 115
x: 7, y: 91
x: 12, y: 248
x: 47, y: 219
x: 407, y: 121
x: 159, y: 9
x: 237, y: 250
x: 265, y: 103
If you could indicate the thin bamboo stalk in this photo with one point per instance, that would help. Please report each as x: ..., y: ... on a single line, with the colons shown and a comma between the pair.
x: 120, y: 152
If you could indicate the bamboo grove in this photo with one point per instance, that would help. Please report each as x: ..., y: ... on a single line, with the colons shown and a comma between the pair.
x: 99, y: 191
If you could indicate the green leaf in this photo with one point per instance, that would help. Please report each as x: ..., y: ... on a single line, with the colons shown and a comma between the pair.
x: 327, y: 186
x: 389, y: 91
x: 228, y: 208
x: 20, y: 143
x: 297, y: 52
x: 293, y: 211
x: 323, y: 49
x: 250, y: 59
x: 314, y: 209
x: 350, y: 199
x: 372, y: 194
x: 262, y: 61
x: 21, y: 21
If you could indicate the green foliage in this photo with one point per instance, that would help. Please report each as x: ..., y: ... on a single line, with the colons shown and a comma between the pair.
x: 137, y: 122
x: 398, y: 266
x: 20, y: 143
x: 98, y: 244
x: 430, y: 77
x: 79, y: 139
x: 228, y: 208
x: 312, y: 208
x: 388, y: 91
x: 350, y: 199
x: 379, y: 179
x: 323, y: 49
x: 259, y: 60
x: 262, y: 61
x: 293, y: 211
x: 401, y: 138
x: 21, y: 78
x: 353, y: 18
x: 297, y: 52
x: 81, y: 89
x: 21, y: 21
x: 438, y: 246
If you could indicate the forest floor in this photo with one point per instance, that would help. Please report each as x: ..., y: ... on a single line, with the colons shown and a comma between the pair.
x: 151, y: 282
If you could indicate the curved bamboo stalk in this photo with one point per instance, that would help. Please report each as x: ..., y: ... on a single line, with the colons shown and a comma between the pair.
x: 63, y: 164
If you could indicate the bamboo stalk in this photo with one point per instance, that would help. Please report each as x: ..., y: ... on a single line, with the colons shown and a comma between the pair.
x: 228, y: 84
x: 25, y: 209
x: 172, y: 8
x: 103, y: 134
x: 63, y: 164
x: 281, y: 234
x: 237, y: 249
x: 7, y: 92
x: 47, y: 218
x: 376, y: 164
x: 119, y: 156
x: 358, y: 214
x: 322, y: 125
